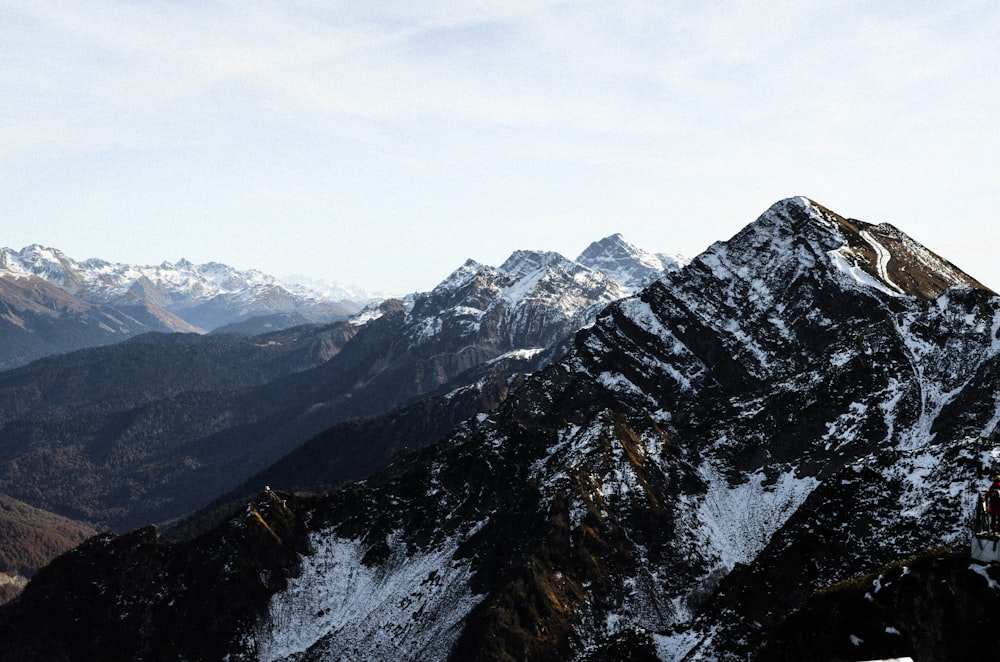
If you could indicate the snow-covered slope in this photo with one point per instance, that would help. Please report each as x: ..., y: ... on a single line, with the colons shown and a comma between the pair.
x: 708, y: 453
x: 692, y: 421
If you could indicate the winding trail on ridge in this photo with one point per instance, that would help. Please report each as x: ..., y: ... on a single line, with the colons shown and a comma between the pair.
x: 882, y: 260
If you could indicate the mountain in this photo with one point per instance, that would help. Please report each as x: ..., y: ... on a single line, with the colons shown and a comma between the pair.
x: 799, y: 406
x: 149, y: 430
x: 338, y: 291
x: 40, y: 319
x: 630, y: 266
x: 53, y: 304
x: 533, y: 300
x: 40, y: 537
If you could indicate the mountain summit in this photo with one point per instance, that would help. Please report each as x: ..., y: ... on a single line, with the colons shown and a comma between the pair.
x: 629, y: 265
x: 799, y: 406
x: 878, y: 255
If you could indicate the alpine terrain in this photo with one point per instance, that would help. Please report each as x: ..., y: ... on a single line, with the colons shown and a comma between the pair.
x: 52, y: 303
x: 769, y: 453
x: 153, y: 428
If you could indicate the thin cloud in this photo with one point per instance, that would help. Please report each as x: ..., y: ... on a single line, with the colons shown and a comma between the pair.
x: 531, y: 106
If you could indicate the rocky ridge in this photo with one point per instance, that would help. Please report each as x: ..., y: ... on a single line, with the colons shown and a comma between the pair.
x: 151, y: 429
x: 744, y: 426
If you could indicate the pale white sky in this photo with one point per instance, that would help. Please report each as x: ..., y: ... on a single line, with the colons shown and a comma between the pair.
x: 381, y: 144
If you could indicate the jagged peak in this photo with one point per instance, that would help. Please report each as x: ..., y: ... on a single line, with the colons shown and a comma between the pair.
x: 613, y: 246
x: 39, y: 261
x: 611, y: 242
x: 611, y: 258
x: 629, y: 265
x: 39, y: 254
x: 798, y: 215
x: 872, y: 256
x: 42, y: 250
x: 461, y: 276
x: 524, y: 262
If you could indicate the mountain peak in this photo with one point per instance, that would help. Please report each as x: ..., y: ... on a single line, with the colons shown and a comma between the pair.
x: 37, y: 260
x: 461, y: 276
x: 611, y: 245
x: 629, y: 265
x: 523, y: 262
x: 873, y: 256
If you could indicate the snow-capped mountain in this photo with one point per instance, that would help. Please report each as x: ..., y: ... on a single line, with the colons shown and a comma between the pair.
x: 338, y: 291
x: 524, y: 310
x: 57, y: 304
x: 54, y: 304
x: 532, y: 300
x: 205, y: 295
x: 799, y: 405
x: 630, y: 266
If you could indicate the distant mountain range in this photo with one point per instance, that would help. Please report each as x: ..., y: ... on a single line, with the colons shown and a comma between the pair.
x: 337, y: 291
x: 770, y: 453
x: 52, y: 304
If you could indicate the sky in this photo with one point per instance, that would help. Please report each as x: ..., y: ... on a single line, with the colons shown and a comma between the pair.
x: 381, y: 144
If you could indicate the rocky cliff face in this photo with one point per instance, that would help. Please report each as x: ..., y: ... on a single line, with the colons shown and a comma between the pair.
x: 797, y: 406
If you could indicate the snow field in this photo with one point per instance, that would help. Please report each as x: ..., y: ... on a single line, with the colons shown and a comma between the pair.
x: 410, y: 607
x: 732, y: 524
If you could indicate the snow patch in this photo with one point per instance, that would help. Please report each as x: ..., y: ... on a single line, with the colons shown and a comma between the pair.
x: 520, y: 354
x: 677, y: 646
x: 735, y: 522
x: 981, y: 571
x: 367, y: 315
x: 410, y: 607
x: 858, y: 274
x: 882, y: 257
